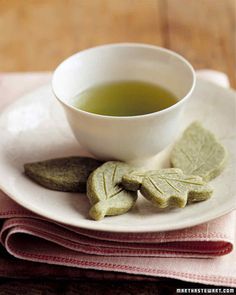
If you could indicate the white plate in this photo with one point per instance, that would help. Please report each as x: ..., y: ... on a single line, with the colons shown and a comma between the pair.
x: 34, y: 128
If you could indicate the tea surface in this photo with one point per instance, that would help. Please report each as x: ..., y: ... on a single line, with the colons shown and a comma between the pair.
x: 124, y: 98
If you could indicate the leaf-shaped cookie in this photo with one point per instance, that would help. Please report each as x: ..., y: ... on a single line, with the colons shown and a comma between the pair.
x: 198, y: 152
x: 63, y: 174
x: 105, y: 192
x: 171, y: 188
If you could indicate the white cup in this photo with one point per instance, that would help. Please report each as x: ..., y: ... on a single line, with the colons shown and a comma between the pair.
x: 124, y: 138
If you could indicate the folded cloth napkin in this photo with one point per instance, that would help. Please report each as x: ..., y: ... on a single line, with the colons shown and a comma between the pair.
x: 173, y: 254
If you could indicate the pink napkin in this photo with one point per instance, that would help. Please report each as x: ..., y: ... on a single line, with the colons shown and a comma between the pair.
x: 174, y: 254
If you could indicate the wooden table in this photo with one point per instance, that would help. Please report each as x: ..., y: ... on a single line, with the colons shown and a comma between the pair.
x: 35, y: 35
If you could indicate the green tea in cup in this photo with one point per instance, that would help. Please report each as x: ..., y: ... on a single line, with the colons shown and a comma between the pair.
x: 124, y: 98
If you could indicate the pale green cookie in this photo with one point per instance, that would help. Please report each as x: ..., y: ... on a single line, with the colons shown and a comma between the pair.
x: 171, y: 188
x: 105, y: 192
x: 68, y: 174
x: 198, y: 152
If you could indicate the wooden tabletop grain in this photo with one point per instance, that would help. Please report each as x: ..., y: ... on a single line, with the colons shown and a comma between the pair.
x: 35, y: 35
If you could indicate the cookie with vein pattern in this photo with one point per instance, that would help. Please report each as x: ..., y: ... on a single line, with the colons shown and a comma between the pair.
x: 199, y: 152
x: 105, y: 192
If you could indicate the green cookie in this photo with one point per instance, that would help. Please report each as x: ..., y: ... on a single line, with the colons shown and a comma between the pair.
x: 105, y: 192
x: 171, y: 188
x: 198, y: 152
x: 63, y: 174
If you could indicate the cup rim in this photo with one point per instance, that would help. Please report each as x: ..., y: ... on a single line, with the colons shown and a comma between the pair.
x: 130, y: 44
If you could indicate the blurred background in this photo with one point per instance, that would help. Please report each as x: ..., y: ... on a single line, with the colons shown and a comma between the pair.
x: 35, y: 35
